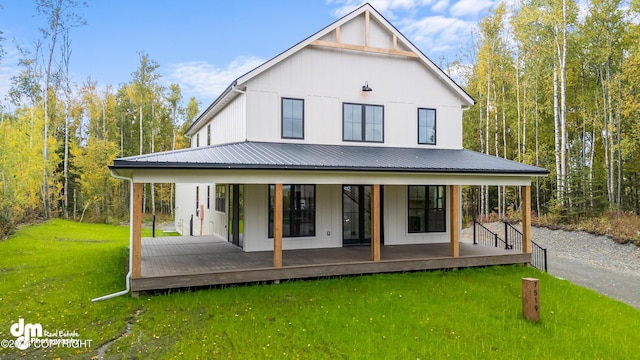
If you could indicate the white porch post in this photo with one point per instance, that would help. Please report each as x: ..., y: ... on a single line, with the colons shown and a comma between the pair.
x: 277, y: 226
x: 454, y: 219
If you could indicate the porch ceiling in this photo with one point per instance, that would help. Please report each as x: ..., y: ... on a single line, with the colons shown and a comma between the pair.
x: 303, y: 162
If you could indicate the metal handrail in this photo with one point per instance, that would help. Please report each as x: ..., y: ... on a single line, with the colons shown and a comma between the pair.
x: 486, y: 237
x: 538, y: 252
x: 512, y: 241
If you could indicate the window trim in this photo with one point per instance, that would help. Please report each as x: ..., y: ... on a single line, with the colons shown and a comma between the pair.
x: 426, y: 209
x: 197, y: 198
x: 363, y: 123
x: 282, y: 100
x: 271, y: 215
x: 435, y: 127
x: 208, y: 197
x: 220, y: 204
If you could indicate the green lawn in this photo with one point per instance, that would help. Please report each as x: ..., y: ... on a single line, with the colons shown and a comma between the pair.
x: 49, y: 273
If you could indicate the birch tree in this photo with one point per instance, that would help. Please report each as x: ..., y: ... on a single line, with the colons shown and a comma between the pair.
x: 60, y: 17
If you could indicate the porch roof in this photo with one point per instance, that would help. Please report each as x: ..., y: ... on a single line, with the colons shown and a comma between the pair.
x: 312, y: 157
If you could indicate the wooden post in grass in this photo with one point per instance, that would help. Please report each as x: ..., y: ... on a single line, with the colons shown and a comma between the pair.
x: 531, y: 299
x: 277, y: 226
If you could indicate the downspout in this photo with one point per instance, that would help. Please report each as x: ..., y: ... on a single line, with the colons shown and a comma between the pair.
x: 244, y: 108
x: 234, y: 88
x: 127, y: 278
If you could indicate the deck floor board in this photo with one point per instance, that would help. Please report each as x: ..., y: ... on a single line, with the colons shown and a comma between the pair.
x: 184, y: 255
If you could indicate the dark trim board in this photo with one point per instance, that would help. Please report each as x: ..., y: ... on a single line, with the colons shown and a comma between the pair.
x: 312, y: 271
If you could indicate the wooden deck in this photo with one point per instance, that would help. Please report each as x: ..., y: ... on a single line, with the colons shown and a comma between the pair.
x: 183, y: 261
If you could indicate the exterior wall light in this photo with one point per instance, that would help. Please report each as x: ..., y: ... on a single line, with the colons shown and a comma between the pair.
x: 366, y: 87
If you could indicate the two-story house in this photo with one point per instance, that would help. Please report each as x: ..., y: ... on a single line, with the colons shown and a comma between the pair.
x: 350, y: 137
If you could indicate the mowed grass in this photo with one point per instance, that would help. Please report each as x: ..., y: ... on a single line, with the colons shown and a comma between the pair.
x: 49, y: 273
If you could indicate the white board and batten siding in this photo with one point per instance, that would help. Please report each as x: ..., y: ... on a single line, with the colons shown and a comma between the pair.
x: 328, y: 220
x: 326, y: 78
x: 228, y: 125
x: 396, y: 215
x: 185, y: 207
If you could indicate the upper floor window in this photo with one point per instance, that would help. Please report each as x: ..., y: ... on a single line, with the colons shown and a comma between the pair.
x: 209, y: 134
x: 197, y: 139
x: 292, y: 118
x: 427, y: 126
x: 362, y: 122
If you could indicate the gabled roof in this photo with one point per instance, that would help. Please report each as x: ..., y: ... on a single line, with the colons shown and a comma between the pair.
x: 230, y: 92
x: 293, y: 156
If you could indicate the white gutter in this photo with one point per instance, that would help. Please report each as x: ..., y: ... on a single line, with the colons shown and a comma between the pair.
x: 127, y: 278
x: 244, y: 107
x: 234, y: 88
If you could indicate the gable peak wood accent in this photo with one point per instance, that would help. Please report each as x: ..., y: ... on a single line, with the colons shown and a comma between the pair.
x: 344, y: 43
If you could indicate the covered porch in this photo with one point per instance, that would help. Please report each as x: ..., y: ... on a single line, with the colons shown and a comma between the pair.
x: 185, y: 261
x: 262, y: 166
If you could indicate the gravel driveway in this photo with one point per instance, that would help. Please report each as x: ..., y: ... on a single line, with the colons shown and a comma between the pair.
x: 594, y: 262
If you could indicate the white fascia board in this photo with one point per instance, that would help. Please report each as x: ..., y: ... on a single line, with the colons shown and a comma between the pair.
x: 239, y: 176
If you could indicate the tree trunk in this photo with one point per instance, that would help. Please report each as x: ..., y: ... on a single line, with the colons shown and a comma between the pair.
x: 556, y: 123
x: 619, y: 125
x: 517, y: 71
x: 524, y: 123
x: 504, y: 148
x: 563, y: 101
x: 537, y: 150
x: 66, y: 160
x: 495, y: 141
x: 153, y: 149
x: 605, y: 137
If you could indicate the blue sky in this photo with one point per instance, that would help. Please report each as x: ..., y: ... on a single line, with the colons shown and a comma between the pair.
x: 204, y: 45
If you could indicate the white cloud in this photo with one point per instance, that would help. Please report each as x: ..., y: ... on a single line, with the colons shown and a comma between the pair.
x: 440, y: 6
x: 469, y: 7
x: 7, y: 71
x: 204, y: 80
x: 385, y: 7
x: 437, y: 33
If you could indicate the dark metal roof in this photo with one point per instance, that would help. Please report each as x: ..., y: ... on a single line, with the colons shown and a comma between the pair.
x: 292, y: 156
